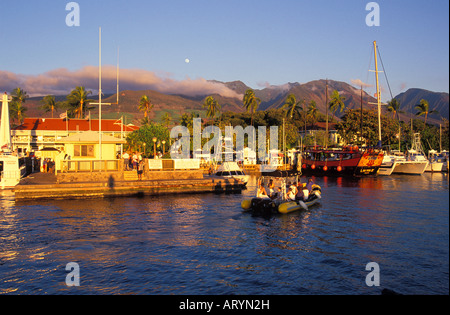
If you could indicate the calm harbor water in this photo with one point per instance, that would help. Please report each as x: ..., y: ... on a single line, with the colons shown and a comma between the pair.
x: 204, y: 244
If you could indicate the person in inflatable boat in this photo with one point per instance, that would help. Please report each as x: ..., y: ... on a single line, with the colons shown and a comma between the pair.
x: 262, y: 193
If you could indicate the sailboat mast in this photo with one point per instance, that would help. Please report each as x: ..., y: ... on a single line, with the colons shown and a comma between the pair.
x: 326, y: 110
x: 378, y: 93
x: 361, y: 122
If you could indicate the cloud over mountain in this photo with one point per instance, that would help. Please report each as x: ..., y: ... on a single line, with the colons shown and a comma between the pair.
x: 62, y: 81
x: 358, y: 82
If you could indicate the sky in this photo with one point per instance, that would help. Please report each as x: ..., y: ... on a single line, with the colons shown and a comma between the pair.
x: 259, y: 42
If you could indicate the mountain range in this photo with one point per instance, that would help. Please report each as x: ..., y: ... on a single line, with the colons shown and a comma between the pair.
x: 271, y: 97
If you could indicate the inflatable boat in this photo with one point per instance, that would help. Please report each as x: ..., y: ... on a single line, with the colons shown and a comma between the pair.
x: 267, y: 205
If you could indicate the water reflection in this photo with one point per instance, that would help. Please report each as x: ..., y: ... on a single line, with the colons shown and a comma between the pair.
x: 205, y: 244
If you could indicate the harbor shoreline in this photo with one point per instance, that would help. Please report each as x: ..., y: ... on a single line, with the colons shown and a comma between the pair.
x: 48, y: 186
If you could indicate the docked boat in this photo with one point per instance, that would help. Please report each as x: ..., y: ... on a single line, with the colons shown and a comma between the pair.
x: 388, y: 165
x: 232, y: 170
x: 437, y: 161
x: 347, y: 161
x: 277, y: 200
x: 397, y: 163
x: 396, y: 160
x: 447, y: 158
x: 410, y: 167
x: 11, y: 171
x: 415, y: 162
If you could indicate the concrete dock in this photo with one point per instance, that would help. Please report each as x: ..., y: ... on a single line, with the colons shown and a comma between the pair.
x: 49, y: 186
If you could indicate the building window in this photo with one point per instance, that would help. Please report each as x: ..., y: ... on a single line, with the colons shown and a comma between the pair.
x: 83, y: 151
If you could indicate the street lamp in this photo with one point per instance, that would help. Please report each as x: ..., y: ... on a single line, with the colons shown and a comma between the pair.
x: 154, y: 147
x: 164, y: 146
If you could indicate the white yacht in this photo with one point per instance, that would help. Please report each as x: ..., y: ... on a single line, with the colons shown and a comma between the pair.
x: 10, y: 171
x: 437, y: 161
x: 415, y: 162
x: 390, y: 161
x: 232, y: 170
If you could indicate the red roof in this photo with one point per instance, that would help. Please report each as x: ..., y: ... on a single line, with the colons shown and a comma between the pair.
x: 58, y: 124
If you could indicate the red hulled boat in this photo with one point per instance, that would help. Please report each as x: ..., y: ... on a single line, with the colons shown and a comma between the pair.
x: 346, y: 161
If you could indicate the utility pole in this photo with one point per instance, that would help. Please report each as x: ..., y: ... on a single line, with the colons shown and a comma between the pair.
x: 326, y: 108
x: 100, y: 96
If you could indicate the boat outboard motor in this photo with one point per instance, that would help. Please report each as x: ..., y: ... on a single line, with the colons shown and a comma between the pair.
x: 303, y: 205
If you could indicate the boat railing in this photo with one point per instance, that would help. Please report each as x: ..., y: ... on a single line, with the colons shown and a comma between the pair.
x: 10, y: 174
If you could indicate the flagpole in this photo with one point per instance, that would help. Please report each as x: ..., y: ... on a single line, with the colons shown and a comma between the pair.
x: 121, y: 135
x: 100, y: 94
x: 118, y: 51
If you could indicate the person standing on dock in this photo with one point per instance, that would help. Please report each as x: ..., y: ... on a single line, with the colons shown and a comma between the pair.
x: 135, y: 161
x: 126, y: 161
x: 44, y: 166
x: 140, y: 168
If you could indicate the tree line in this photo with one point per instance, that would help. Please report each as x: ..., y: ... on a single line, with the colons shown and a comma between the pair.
x: 297, y: 117
x: 76, y: 104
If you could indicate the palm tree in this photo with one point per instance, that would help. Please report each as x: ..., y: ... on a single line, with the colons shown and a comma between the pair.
x: 145, y: 105
x: 291, y: 106
x: 19, y: 96
x: 212, y: 106
x: 423, y: 109
x: 49, y: 104
x: 185, y: 120
x: 251, y: 102
x: 394, y: 107
x: 336, y: 102
x: 145, y: 122
x: 76, y: 100
x: 313, y: 112
x: 167, y: 118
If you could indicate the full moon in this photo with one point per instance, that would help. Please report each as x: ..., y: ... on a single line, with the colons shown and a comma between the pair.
x: 187, y: 60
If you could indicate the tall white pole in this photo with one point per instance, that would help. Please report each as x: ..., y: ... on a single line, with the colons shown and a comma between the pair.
x: 100, y: 94
x: 5, y: 130
x: 118, y: 51
x: 378, y: 92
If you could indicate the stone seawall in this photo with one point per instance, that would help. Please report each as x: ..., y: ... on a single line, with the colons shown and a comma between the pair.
x: 49, y: 186
x: 126, y: 176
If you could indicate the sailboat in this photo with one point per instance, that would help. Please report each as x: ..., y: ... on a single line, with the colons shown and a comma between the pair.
x: 438, y: 161
x: 390, y: 161
x: 349, y: 160
x: 415, y: 162
x: 397, y: 163
x: 11, y: 171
